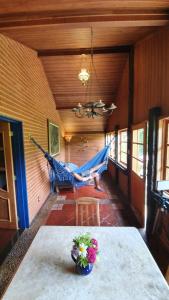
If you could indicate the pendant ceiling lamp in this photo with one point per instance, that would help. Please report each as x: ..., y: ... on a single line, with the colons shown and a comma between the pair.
x: 91, y: 109
x: 84, y: 74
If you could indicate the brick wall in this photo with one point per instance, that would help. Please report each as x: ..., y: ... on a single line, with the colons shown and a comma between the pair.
x: 25, y: 96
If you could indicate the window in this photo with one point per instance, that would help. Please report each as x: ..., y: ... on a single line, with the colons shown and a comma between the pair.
x: 166, y: 152
x: 122, y: 149
x: 109, y: 137
x: 163, y: 150
x: 138, y: 149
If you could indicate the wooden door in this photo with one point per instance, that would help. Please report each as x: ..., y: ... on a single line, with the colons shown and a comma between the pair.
x: 8, y: 215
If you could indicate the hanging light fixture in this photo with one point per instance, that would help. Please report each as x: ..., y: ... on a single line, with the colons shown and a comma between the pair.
x: 91, y: 109
x: 84, y: 74
x: 68, y: 138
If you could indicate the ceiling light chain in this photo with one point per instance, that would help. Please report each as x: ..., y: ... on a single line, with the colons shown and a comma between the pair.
x: 91, y: 109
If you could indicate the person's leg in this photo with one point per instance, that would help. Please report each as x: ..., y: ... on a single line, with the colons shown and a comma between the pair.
x: 82, y: 178
x: 97, y: 182
x: 94, y: 169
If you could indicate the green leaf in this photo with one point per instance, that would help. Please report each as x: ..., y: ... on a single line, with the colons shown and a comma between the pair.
x: 82, y: 261
x: 83, y: 239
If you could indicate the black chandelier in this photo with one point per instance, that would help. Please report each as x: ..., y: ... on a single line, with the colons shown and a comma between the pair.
x: 91, y: 109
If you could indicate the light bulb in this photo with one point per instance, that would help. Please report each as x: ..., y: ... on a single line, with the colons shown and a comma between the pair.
x: 84, y: 76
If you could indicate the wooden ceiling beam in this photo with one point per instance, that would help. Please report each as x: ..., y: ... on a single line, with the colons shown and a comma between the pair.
x: 85, y: 132
x: 71, y: 107
x: 113, y: 20
x: 74, y: 51
x: 65, y: 107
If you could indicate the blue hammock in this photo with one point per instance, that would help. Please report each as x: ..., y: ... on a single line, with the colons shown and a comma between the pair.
x: 62, y: 177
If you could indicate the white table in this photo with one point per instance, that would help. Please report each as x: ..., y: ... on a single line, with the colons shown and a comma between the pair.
x: 126, y: 270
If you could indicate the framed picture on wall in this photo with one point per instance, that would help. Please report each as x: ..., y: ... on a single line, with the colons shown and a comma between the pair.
x: 53, y: 138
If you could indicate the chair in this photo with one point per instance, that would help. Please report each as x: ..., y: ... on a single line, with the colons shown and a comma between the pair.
x: 87, y: 211
x: 161, y: 187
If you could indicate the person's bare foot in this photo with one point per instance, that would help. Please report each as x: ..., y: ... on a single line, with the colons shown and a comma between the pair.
x: 98, y: 188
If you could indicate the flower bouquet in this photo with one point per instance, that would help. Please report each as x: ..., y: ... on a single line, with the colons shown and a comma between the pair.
x: 84, y: 253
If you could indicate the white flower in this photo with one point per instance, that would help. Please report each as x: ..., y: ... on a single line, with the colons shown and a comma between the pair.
x: 82, y: 250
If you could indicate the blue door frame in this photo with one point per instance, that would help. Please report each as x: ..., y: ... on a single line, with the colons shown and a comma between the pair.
x: 20, y: 171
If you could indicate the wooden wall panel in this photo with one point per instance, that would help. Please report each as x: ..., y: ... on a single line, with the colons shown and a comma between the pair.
x: 138, y: 197
x: 151, y: 70
x: 25, y: 95
x: 123, y: 183
x: 112, y: 170
x: 120, y: 117
x: 151, y: 79
x: 84, y: 146
x: 120, y: 114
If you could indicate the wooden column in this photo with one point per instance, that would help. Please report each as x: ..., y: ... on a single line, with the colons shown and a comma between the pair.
x: 130, y: 118
x: 154, y: 114
x: 116, y: 153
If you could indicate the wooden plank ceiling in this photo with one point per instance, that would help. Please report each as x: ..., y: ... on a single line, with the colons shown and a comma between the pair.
x: 58, y: 30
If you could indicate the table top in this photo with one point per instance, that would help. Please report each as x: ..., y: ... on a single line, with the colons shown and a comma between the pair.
x: 126, y: 270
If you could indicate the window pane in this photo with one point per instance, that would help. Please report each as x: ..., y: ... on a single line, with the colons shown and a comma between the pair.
x: 123, y: 158
x: 137, y: 167
x: 141, y: 135
x: 107, y: 138
x: 140, y: 169
x: 167, y: 174
x: 3, y: 183
x: 124, y: 136
x: 124, y: 147
x: 134, y: 165
x: 167, y: 160
x: 2, y: 159
x: 112, y: 150
x: 140, y: 154
x: 134, y: 136
x: 135, y: 150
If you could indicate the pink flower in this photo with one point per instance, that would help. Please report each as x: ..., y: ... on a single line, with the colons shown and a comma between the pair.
x: 95, y: 244
x: 91, y: 255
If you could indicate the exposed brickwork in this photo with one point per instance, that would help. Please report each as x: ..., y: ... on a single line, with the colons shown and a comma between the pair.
x: 25, y: 95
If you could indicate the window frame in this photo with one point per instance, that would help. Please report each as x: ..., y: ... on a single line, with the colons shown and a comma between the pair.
x: 122, y: 163
x: 137, y: 127
x: 165, y: 145
x: 163, y: 132
x: 109, y: 136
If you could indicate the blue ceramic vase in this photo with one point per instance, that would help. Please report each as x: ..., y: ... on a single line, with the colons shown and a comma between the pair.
x: 82, y: 270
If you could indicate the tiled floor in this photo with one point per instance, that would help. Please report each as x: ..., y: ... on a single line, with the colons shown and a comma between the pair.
x: 113, y: 209
x: 61, y: 211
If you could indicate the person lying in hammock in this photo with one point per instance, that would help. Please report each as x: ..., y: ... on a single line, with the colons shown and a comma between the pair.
x: 88, y: 175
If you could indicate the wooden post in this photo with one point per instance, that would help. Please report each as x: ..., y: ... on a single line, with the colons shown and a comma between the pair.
x: 130, y: 118
x: 154, y: 114
x: 116, y: 153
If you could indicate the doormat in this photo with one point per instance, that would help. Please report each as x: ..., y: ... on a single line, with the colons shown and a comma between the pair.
x: 60, y: 203
x: 61, y: 198
x: 57, y: 207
